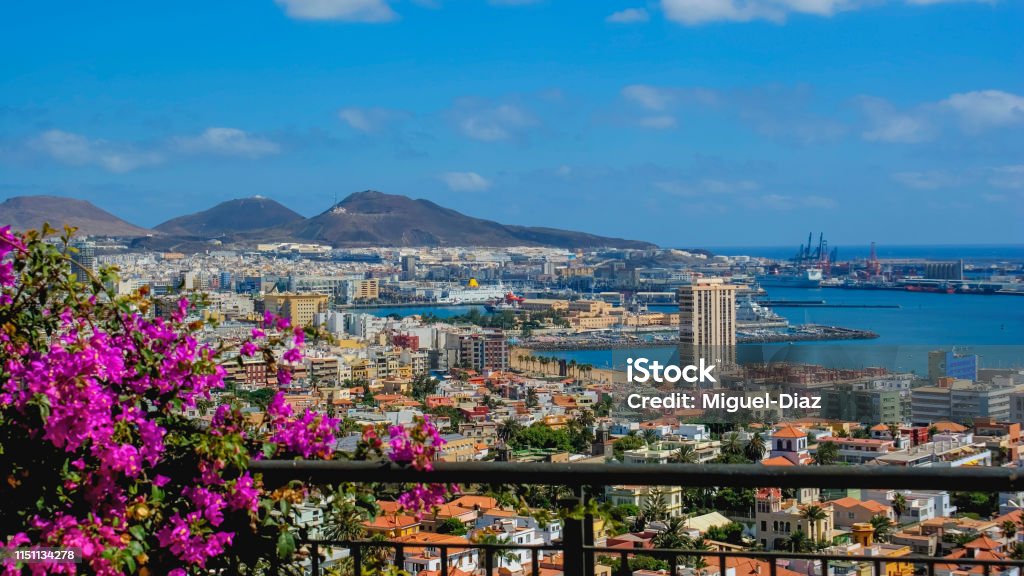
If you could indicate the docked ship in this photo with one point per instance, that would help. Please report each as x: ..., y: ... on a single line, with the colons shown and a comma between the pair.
x: 472, y: 293
x: 508, y: 302
x: 807, y: 278
x: 751, y: 314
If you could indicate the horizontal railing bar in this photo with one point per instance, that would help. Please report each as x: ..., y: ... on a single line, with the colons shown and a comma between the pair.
x: 749, y: 554
x: 412, y: 544
x: 777, y: 555
x: 277, y: 472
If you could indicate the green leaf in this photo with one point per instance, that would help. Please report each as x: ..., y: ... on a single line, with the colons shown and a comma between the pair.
x: 138, y: 532
x: 285, y: 545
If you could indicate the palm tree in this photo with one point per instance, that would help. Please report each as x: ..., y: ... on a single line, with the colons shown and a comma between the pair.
x: 508, y: 430
x: 674, y: 536
x: 882, y: 525
x: 585, y: 419
x: 572, y: 366
x: 531, y: 398
x: 732, y: 445
x: 544, y: 361
x: 1009, y: 529
x: 899, y: 505
x: 685, y: 455
x: 650, y: 436
x: 587, y: 369
x: 894, y: 430
x: 826, y: 454
x: 756, y: 447
x: 503, y: 555
x: 813, y: 514
x: 798, y: 542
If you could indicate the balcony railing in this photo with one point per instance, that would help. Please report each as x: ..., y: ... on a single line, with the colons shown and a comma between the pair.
x: 579, y: 555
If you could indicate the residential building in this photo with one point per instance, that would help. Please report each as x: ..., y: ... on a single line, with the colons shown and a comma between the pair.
x: 299, y: 309
x: 671, y: 497
x: 483, y: 351
x: 777, y: 519
x: 707, y: 322
x: 946, y: 364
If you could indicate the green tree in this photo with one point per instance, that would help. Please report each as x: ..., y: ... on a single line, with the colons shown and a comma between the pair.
x: 756, y: 448
x: 882, y: 526
x: 732, y: 445
x: 630, y: 441
x: 899, y: 505
x: 423, y: 385
x: 649, y: 436
x: 452, y: 526
x: 531, y: 398
x: 503, y: 556
x: 731, y: 533
x: 799, y: 542
x: 509, y: 430
x: 813, y: 514
x: 827, y: 453
x: 1009, y: 528
x: 685, y: 454
x: 655, y: 507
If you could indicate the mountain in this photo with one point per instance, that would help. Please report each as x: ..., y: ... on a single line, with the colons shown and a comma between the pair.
x: 373, y: 218
x: 231, y: 217
x: 29, y: 212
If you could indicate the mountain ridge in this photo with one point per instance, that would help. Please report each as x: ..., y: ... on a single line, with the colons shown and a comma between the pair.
x: 30, y: 212
x: 362, y: 219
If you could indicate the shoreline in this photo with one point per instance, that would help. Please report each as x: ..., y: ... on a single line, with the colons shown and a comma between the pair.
x: 830, y: 333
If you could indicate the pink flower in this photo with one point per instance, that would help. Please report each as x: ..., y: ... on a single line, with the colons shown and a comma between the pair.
x: 248, y: 349
x: 292, y: 356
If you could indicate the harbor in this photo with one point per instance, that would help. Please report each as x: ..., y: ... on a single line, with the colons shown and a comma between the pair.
x: 803, y: 333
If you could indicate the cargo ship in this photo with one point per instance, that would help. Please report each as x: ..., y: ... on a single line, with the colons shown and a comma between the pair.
x: 507, y: 302
x: 808, y: 278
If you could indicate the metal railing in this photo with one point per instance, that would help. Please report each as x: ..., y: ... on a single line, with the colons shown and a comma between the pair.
x: 579, y: 554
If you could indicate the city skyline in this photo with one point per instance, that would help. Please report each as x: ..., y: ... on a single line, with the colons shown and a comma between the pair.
x: 744, y: 122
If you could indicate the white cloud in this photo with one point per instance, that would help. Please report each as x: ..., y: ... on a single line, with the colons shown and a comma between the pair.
x: 628, y: 16
x: 344, y: 10
x: 784, y: 202
x: 930, y: 180
x: 662, y: 122
x: 227, y: 142
x: 465, y: 181
x: 886, y: 124
x: 650, y: 97
x: 698, y: 12
x: 932, y: 2
x: 77, y: 150
x: 706, y: 186
x: 369, y: 119
x: 1008, y: 177
x: 491, y: 123
x: 986, y: 109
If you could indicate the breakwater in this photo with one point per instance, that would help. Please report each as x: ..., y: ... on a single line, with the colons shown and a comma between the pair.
x: 805, y: 333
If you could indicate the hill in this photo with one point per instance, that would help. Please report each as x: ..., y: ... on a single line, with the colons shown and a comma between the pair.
x: 373, y: 218
x: 234, y: 216
x: 28, y: 212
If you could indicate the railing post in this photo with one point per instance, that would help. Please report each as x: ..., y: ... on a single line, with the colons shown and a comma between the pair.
x: 572, y: 540
x: 315, y: 551
x: 588, y: 539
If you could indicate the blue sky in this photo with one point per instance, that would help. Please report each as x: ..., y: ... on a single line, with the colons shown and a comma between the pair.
x: 683, y: 122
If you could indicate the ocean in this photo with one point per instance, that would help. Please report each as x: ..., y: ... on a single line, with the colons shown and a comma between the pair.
x: 990, y: 326
x: 974, y: 253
